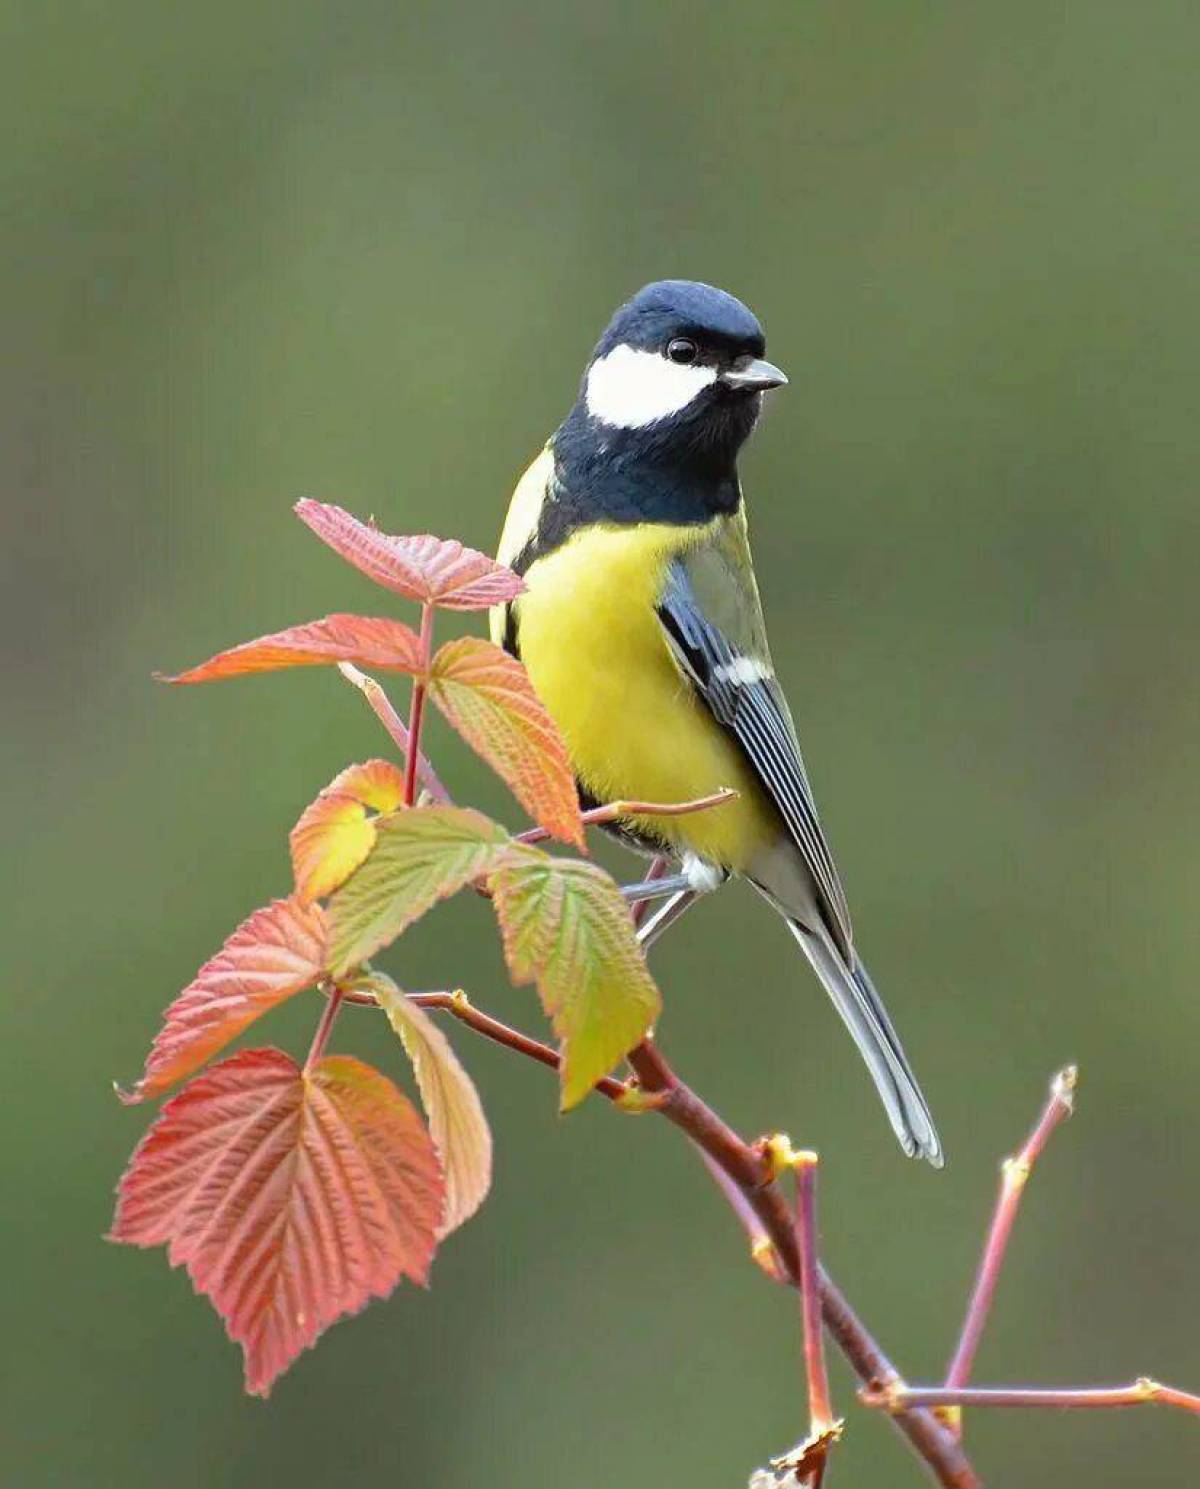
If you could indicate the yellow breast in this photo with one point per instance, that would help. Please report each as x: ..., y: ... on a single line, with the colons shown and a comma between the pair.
x: 597, y: 656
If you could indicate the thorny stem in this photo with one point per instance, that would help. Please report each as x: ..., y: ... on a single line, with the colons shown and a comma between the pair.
x: 417, y: 707
x: 324, y: 1026
x: 1142, y: 1392
x: 1014, y: 1174
x: 381, y: 706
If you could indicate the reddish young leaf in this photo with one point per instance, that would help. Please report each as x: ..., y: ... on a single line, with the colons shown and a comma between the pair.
x: 277, y: 952
x: 335, y: 833
x: 420, y: 857
x: 487, y: 696
x: 426, y: 569
x: 456, y: 1120
x: 292, y: 1197
x: 365, y: 640
x: 566, y: 927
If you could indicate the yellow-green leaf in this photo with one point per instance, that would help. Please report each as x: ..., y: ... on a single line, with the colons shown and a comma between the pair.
x: 566, y: 928
x: 456, y: 1120
x: 420, y: 856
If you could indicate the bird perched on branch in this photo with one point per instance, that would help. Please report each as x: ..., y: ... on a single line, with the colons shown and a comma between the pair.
x: 641, y: 630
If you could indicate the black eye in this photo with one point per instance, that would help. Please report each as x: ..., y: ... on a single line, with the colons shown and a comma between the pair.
x: 682, y: 350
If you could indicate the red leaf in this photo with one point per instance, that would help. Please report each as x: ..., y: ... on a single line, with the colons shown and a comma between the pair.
x: 429, y: 570
x: 292, y: 1197
x: 278, y: 951
x: 334, y: 834
x: 365, y: 640
x: 487, y: 696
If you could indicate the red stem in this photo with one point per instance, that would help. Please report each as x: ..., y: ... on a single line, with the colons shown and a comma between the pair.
x: 417, y: 708
x: 458, y: 1004
x: 1014, y: 1174
x: 381, y: 706
x: 324, y: 1027
x: 820, y: 1410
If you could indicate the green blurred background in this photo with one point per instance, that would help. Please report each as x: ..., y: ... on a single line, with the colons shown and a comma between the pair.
x: 360, y: 251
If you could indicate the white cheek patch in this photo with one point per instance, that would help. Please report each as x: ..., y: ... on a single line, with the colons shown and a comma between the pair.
x: 743, y: 671
x: 631, y: 388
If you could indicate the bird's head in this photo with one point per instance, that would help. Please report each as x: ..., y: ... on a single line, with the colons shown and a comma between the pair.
x: 679, y: 368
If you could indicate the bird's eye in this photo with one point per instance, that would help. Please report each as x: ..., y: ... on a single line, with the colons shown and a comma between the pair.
x: 682, y: 350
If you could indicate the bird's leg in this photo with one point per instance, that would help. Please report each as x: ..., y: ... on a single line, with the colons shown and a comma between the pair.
x: 655, y: 889
x: 658, y: 867
x: 665, y: 917
x: 695, y: 876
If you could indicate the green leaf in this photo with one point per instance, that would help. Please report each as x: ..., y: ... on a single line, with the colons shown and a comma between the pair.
x: 420, y: 856
x: 456, y: 1120
x: 566, y: 928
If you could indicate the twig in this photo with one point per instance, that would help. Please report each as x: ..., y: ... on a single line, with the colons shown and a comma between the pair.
x: 1142, y: 1392
x: 762, y: 1250
x: 381, y: 706
x: 417, y: 707
x: 597, y: 816
x: 809, y: 1462
x: 1014, y: 1174
x: 820, y: 1410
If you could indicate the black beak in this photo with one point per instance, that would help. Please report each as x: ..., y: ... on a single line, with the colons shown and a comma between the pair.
x: 753, y: 375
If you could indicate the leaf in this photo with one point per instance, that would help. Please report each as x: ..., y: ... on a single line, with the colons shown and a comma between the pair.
x: 365, y: 640
x: 280, y: 950
x: 292, y: 1197
x: 456, y: 1120
x: 421, y: 856
x: 487, y: 696
x: 566, y: 927
x: 334, y: 834
x: 429, y: 570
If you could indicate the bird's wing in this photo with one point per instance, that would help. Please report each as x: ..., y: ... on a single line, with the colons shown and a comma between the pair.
x: 710, y: 613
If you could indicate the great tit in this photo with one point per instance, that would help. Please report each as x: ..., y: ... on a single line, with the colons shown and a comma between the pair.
x: 642, y: 633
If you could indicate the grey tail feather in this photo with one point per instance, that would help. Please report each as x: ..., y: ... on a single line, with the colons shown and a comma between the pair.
x: 863, y: 1013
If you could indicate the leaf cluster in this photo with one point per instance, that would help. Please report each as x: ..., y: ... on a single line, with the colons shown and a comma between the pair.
x: 292, y: 1193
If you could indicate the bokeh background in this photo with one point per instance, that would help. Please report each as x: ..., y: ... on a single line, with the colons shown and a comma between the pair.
x: 360, y: 251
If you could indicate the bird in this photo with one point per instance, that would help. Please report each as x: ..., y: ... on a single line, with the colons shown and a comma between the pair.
x: 642, y: 633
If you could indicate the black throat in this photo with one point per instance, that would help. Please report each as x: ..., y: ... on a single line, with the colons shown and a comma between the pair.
x: 604, y: 474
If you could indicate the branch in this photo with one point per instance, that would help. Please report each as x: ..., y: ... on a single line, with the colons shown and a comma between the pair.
x: 747, y: 1174
x: 1014, y: 1175
x: 750, y: 1173
x: 464, y: 1010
